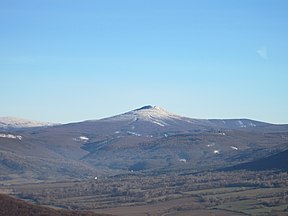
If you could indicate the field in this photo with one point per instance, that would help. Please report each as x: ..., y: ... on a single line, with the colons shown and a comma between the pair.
x: 207, y: 193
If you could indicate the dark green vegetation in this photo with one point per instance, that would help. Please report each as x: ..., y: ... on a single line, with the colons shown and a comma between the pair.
x: 241, y: 192
x: 13, y: 207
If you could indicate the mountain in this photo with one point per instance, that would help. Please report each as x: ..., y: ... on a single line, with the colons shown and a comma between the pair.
x: 152, y: 120
x: 13, y: 122
x: 144, y: 139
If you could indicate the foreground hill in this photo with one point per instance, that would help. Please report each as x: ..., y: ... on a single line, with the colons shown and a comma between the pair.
x: 14, y: 207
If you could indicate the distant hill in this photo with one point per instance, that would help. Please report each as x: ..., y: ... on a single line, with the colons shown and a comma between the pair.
x: 13, y: 207
x: 13, y: 122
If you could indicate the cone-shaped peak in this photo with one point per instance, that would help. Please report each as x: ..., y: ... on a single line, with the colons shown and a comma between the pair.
x: 152, y: 111
x: 145, y: 108
x: 147, y: 113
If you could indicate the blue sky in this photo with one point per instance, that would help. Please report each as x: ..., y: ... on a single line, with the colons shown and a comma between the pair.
x: 69, y: 60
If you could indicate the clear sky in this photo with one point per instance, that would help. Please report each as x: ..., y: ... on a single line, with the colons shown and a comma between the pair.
x: 72, y: 60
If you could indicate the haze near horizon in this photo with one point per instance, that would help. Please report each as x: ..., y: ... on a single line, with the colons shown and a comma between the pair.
x: 65, y: 61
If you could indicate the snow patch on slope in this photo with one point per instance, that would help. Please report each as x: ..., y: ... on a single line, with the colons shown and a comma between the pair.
x: 158, y: 123
x: 81, y: 139
x: 241, y: 124
x: 211, y: 145
x: 133, y: 133
x: 246, y: 124
x: 183, y: 160
x: 252, y: 124
x: 11, y: 136
x: 84, y: 138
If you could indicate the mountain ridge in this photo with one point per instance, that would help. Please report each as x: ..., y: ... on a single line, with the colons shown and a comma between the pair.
x: 147, y: 138
x: 144, y: 113
x: 15, y: 122
x: 159, y: 116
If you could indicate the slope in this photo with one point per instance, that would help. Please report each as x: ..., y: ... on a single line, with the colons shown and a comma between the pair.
x: 277, y: 161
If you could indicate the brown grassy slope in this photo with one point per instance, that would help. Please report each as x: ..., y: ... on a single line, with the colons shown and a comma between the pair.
x: 13, y: 207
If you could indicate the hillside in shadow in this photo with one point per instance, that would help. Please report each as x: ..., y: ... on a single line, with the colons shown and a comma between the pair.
x: 14, y: 207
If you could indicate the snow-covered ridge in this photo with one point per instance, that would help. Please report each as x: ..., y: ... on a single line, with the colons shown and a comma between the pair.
x: 10, y: 136
x: 153, y: 114
x: 12, y: 122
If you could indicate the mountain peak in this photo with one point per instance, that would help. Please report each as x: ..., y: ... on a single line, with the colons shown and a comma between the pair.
x: 151, y: 109
x: 149, y: 112
x: 146, y: 113
x: 145, y: 108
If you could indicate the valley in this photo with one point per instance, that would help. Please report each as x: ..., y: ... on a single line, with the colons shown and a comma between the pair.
x: 220, y: 193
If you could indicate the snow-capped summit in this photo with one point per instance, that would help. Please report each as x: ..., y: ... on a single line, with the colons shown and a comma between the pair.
x: 144, y: 108
x: 13, y: 122
x: 146, y: 113
x: 151, y: 120
x: 152, y: 112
